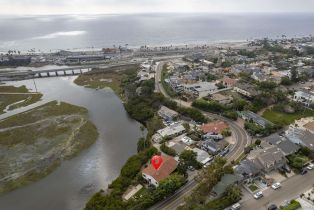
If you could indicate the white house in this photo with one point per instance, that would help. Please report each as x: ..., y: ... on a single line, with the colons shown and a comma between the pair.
x: 305, y: 97
x: 153, y: 176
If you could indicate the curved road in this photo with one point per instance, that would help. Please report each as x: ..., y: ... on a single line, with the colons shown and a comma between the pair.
x: 241, y: 136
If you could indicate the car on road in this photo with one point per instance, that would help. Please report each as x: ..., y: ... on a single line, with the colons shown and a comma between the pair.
x: 310, y: 166
x: 304, y: 171
x: 272, y: 207
x: 235, y: 206
x: 258, y: 195
x: 276, y: 186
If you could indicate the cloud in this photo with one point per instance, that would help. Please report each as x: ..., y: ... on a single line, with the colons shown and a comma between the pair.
x: 148, y: 6
x: 61, y: 33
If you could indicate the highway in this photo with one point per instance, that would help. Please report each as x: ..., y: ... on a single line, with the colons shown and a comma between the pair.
x: 241, y: 136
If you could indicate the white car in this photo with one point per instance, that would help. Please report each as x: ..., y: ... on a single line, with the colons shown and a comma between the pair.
x: 258, y: 195
x: 310, y: 167
x: 235, y: 206
x: 276, y: 186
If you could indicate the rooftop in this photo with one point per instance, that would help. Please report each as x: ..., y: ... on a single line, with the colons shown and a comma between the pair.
x: 168, y: 165
x: 214, y: 127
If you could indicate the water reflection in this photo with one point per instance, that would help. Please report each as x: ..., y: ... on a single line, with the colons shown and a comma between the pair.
x: 70, y: 186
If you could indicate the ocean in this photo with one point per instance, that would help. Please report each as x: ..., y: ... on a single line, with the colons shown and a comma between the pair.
x: 87, y: 31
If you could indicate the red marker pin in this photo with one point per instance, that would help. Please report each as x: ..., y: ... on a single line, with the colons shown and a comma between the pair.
x: 156, y: 161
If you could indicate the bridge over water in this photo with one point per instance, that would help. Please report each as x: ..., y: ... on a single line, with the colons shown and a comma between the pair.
x: 20, y: 75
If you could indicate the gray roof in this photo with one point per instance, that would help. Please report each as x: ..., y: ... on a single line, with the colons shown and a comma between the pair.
x: 270, y: 156
x: 256, y: 118
x: 226, y: 180
x: 179, y: 148
x: 308, y: 139
x: 273, y: 139
x: 248, y: 167
x: 286, y: 146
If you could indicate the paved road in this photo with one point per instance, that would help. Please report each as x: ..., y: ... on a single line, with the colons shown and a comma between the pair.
x: 242, y: 139
x: 291, y: 188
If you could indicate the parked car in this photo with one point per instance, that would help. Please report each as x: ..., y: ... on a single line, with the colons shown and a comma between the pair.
x: 235, y: 206
x: 276, y: 186
x: 272, y: 207
x: 310, y: 166
x: 191, y: 168
x: 304, y: 171
x: 258, y: 195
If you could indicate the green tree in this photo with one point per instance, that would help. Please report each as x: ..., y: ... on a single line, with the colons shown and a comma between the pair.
x: 167, y: 150
x: 188, y: 158
x: 294, y: 75
x: 258, y: 142
x: 286, y: 81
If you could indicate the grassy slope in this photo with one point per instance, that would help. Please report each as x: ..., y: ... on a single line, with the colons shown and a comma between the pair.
x: 6, y: 100
x: 281, y: 118
x: 111, y: 78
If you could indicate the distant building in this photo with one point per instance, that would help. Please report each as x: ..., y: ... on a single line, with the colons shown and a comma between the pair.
x: 153, y: 176
x: 228, y: 82
x: 84, y: 58
x: 167, y: 114
x: 200, y: 89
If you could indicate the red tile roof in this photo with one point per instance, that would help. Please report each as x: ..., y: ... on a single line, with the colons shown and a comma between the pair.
x: 217, y: 127
x: 229, y: 81
x: 168, y: 165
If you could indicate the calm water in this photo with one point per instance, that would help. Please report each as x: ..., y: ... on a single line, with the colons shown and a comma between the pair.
x: 70, y: 186
x: 62, y: 32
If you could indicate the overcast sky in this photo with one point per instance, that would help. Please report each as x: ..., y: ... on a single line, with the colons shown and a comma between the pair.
x: 8, y: 7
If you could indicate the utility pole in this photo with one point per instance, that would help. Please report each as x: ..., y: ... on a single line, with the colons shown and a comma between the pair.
x: 35, y: 85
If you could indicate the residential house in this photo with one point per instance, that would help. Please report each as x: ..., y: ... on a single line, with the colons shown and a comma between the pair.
x: 178, y: 147
x: 209, y: 146
x: 305, y: 97
x: 269, y: 159
x: 222, y: 99
x: 213, y: 136
x: 167, y: 114
x: 153, y: 176
x: 251, y: 116
x: 172, y: 130
x: 248, y: 169
x: 300, y: 136
x: 286, y: 146
x: 214, y: 127
x: 228, y: 82
x: 259, y: 76
x: 245, y: 89
x: 202, y: 156
x: 226, y: 180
